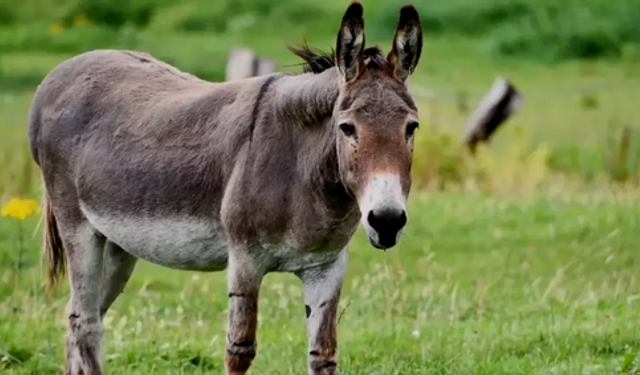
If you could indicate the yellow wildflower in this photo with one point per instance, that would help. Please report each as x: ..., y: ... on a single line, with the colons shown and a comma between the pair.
x: 80, y: 20
x: 55, y: 28
x: 20, y: 209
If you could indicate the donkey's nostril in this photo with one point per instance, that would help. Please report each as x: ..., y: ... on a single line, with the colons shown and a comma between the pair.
x: 387, y: 222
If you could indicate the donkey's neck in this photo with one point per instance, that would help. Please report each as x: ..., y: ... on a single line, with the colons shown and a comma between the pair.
x: 309, y: 98
x: 319, y: 173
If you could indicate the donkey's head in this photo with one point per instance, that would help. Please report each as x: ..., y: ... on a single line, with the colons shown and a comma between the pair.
x: 375, y: 120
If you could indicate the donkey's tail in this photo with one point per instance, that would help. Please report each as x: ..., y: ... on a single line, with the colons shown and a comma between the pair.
x: 53, y: 253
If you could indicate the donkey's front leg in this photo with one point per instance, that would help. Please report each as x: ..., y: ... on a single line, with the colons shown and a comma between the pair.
x: 322, y: 287
x: 244, y: 279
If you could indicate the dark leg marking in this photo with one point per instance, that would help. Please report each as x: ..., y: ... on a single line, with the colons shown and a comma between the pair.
x: 244, y: 279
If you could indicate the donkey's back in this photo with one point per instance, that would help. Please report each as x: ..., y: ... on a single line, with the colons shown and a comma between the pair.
x: 140, y: 152
x: 129, y: 92
x: 146, y: 137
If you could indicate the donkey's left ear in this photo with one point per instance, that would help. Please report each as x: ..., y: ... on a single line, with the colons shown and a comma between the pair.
x: 407, y: 44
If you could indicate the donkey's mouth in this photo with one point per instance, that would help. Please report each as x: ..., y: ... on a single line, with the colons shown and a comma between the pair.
x: 383, y: 242
x: 377, y: 245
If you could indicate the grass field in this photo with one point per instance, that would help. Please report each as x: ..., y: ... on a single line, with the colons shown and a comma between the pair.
x: 522, y: 261
x: 478, y: 285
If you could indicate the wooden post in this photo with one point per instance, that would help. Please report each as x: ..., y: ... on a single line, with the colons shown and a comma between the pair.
x: 240, y: 64
x: 496, y: 107
x: 264, y: 66
x: 243, y: 63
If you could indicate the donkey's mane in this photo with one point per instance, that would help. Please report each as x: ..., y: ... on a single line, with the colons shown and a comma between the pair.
x: 316, y: 61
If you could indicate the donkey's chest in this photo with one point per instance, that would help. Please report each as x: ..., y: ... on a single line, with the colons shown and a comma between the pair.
x: 181, y: 243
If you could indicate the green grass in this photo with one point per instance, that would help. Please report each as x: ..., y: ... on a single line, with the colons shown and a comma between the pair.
x: 478, y: 285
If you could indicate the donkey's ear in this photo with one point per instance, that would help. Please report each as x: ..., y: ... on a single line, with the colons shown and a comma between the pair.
x: 350, y: 43
x: 407, y: 44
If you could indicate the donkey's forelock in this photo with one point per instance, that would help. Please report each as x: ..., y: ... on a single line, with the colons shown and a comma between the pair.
x: 316, y: 61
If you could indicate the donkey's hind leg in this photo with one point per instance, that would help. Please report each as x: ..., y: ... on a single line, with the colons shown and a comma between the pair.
x: 84, y: 246
x: 118, y: 265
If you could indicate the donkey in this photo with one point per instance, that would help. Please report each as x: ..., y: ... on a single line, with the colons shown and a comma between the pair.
x: 266, y: 174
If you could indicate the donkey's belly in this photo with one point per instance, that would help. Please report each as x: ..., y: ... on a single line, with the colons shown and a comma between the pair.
x: 181, y: 243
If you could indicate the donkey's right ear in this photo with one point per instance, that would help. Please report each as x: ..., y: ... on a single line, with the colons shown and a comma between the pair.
x: 350, y: 43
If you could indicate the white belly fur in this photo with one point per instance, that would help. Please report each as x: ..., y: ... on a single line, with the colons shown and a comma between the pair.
x: 181, y: 243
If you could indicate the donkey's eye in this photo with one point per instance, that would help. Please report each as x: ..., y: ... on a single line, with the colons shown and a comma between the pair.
x: 347, y: 128
x: 411, y: 128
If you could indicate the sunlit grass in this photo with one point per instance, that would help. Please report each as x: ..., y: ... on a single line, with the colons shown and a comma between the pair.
x: 478, y: 284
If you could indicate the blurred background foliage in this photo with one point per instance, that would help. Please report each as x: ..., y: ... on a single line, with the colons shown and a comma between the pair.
x: 542, y: 30
x: 576, y: 62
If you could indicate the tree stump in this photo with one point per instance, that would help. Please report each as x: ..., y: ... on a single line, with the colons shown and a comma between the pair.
x: 497, y: 106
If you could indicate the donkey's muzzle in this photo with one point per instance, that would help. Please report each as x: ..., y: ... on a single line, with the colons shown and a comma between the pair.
x: 387, y: 225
